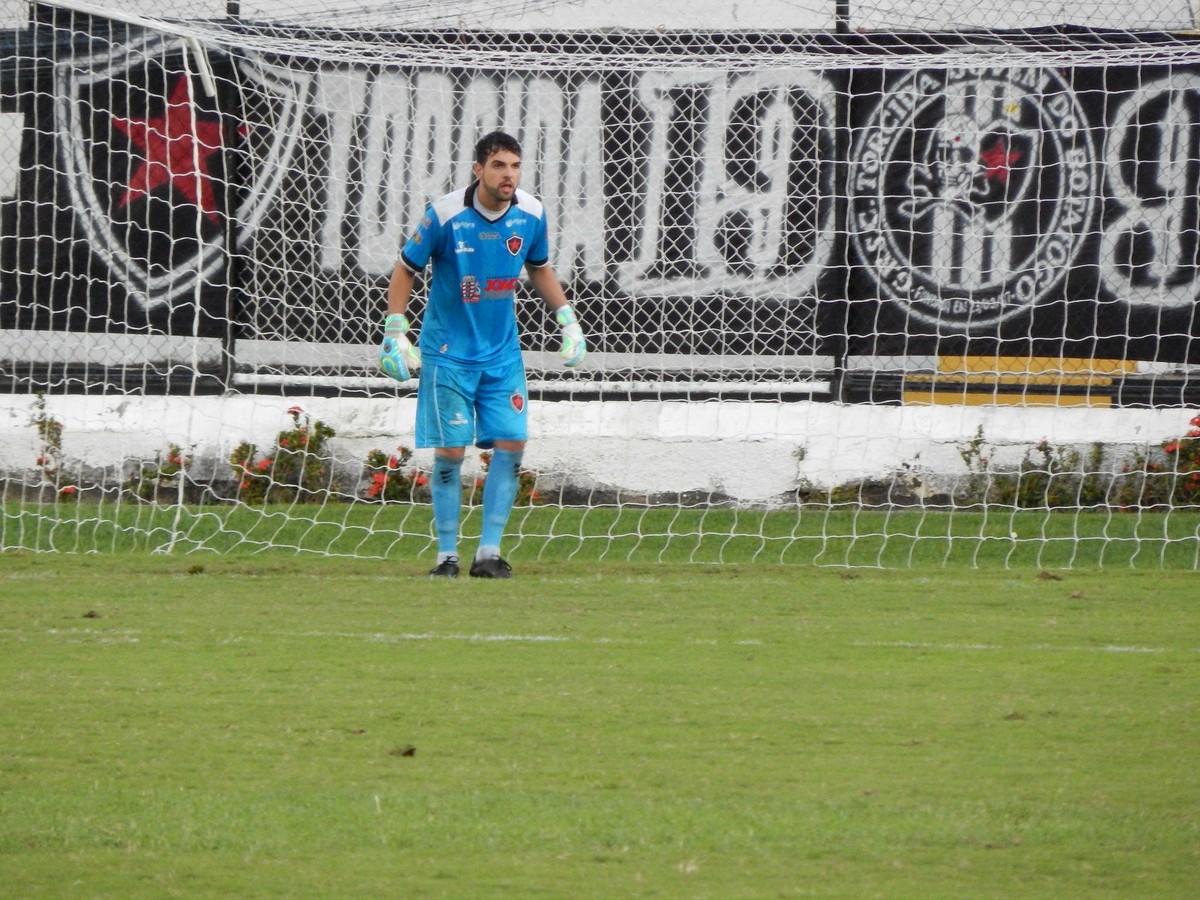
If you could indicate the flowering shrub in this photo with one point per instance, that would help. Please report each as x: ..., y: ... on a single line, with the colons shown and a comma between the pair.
x: 388, y: 479
x: 1167, y: 477
x: 1184, y: 454
x: 1053, y: 478
x: 527, y: 493
x: 50, y: 454
x: 162, y: 473
x: 1047, y: 477
x: 296, y: 468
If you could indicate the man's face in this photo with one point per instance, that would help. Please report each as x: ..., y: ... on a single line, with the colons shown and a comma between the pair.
x: 498, y: 177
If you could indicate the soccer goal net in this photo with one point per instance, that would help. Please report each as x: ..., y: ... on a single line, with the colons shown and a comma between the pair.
x: 862, y: 283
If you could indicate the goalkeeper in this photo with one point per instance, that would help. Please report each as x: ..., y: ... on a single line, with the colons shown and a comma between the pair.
x: 472, y: 387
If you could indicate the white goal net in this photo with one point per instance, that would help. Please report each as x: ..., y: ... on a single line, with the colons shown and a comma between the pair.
x: 863, y: 283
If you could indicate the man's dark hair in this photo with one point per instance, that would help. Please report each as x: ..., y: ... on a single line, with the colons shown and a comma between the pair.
x: 494, y: 143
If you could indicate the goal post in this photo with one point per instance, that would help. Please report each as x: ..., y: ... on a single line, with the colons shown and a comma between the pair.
x: 854, y: 264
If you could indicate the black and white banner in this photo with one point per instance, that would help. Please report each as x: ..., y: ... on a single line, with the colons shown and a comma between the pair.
x: 120, y: 219
x: 1052, y: 212
x: 694, y: 210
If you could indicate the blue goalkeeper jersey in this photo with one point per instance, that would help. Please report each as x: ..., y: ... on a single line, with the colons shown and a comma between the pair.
x: 470, y: 319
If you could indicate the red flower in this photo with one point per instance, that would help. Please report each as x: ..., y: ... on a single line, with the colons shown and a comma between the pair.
x: 265, y: 465
x: 378, y: 485
x: 67, y: 490
x: 1195, y: 420
x: 420, y: 480
x: 1171, y: 446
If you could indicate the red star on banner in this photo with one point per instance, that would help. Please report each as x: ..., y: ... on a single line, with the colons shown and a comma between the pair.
x: 999, y: 161
x: 177, y: 146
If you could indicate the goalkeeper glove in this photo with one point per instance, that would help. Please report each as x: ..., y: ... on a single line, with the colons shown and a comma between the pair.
x: 574, y: 348
x: 398, y: 356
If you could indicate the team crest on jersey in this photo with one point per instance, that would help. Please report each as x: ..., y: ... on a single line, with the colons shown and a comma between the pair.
x: 142, y: 156
x: 470, y: 289
x: 972, y: 192
x: 514, y: 244
x: 518, y: 402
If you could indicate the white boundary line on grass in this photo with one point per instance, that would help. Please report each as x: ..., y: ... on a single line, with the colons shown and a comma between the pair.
x: 136, y: 635
x: 381, y: 637
x: 1043, y: 648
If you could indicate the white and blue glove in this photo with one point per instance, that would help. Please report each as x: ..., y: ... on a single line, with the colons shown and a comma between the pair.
x: 574, y: 347
x: 399, y: 358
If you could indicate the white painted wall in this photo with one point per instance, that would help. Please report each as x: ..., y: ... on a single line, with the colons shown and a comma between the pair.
x: 747, y: 451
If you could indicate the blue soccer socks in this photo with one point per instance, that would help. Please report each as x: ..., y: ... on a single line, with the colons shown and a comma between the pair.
x: 499, y: 494
x: 446, y: 492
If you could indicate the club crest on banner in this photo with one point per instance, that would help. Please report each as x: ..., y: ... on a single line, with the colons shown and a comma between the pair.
x: 141, y: 155
x: 972, y: 192
x: 143, y: 151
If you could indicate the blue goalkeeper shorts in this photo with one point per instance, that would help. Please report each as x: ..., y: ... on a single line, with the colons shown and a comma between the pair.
x: 460, y: 407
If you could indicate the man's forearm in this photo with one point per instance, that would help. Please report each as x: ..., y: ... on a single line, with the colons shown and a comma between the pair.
x: 400, y: 289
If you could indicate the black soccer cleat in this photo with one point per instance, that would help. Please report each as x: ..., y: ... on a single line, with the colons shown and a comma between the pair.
x: 492, y: 567
x: 447, y: 568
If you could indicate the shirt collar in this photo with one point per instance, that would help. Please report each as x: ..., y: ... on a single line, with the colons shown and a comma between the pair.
x: 471, y: 200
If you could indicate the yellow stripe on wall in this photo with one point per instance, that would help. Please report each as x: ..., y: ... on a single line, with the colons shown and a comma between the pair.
x: 1016, y: 381
x: 1030, y: 366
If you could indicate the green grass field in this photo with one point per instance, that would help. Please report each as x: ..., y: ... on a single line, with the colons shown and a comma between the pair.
x: 844, y: 535
x: 273, y: 725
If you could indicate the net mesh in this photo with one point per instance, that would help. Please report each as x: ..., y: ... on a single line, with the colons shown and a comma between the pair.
x: 858, y: 289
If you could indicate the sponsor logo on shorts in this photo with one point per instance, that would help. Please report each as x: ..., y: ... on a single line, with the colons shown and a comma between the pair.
x: 518, y: 402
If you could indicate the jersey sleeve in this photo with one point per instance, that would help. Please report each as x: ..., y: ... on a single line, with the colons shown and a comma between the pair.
x: 419, y: 247
x: 539, y: 248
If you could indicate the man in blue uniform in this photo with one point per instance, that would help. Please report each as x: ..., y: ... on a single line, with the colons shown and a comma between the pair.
x: 472, y: 387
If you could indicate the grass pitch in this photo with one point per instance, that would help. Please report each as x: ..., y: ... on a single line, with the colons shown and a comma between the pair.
x: 281, y: 726
x: 842, y: 535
